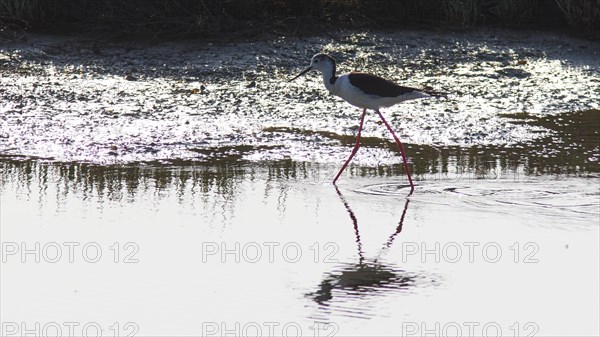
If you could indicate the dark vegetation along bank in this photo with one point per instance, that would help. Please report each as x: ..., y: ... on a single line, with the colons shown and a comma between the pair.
x: 193, y: 18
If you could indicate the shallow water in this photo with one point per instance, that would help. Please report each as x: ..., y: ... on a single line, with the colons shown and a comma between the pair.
x: 190, y: 250
x: 195, y: 197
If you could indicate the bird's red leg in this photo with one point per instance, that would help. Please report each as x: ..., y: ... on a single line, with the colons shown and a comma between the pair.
x: 401, y: 148
x: 356, y: 146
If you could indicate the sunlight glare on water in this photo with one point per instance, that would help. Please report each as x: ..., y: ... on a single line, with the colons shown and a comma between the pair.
x: 149, y: 105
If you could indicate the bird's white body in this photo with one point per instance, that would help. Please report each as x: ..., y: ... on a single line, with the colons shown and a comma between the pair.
x: 355, y: 96
x: 359, y: 89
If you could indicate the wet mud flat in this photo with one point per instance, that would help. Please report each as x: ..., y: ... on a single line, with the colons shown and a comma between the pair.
x: 65, y: 99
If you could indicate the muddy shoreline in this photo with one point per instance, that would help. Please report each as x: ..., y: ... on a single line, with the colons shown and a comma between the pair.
x: 196, y: 101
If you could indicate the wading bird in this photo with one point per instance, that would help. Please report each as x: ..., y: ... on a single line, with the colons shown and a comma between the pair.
x: 364, y: 91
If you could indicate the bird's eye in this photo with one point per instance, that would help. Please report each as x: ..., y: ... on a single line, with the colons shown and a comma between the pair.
x: 316, y: 61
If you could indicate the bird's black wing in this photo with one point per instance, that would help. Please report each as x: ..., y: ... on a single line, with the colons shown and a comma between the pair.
x: 375, y: 85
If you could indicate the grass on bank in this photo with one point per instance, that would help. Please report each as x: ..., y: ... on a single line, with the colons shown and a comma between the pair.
x: 185, y: 18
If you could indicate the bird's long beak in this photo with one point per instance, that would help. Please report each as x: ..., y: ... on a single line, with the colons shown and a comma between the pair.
x: 302, y: 73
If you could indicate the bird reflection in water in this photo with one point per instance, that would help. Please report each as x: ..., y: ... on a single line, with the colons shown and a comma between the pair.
x: 365, y: 278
